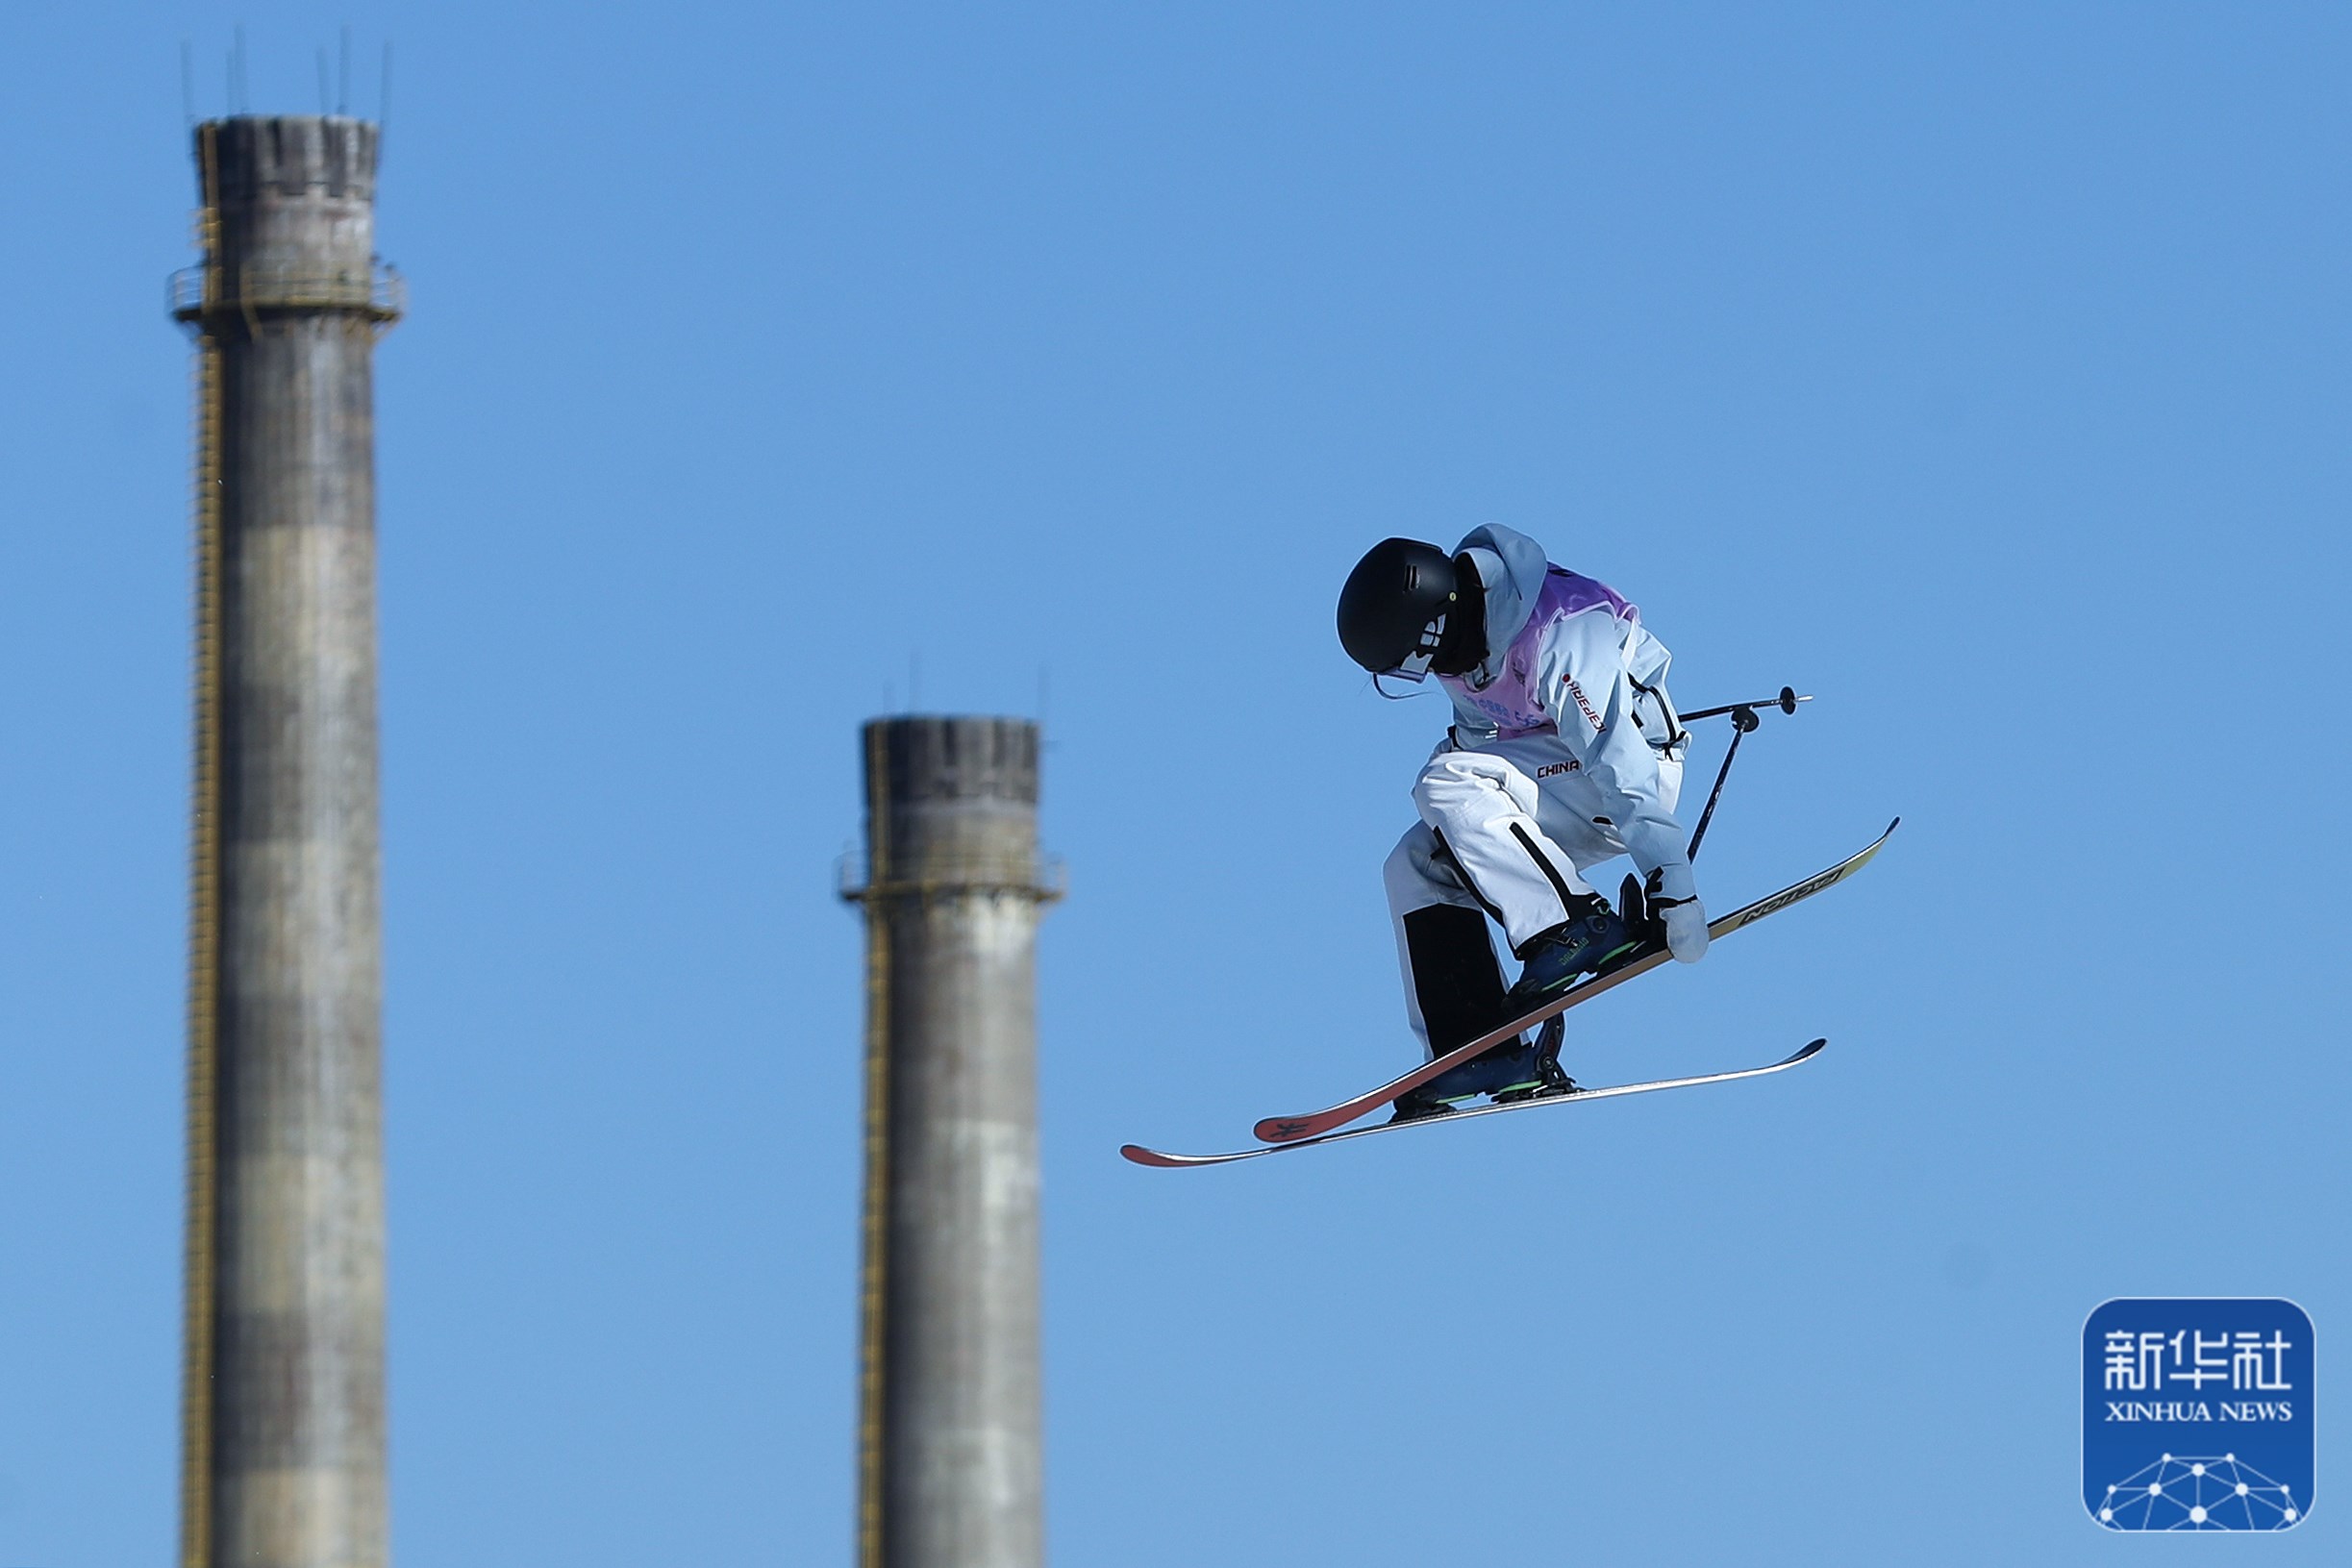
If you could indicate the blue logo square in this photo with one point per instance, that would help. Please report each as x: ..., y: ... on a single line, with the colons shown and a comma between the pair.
x: 2198, y: 1415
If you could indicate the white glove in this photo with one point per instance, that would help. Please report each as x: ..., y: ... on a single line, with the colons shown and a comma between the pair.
x: 1686, y: 923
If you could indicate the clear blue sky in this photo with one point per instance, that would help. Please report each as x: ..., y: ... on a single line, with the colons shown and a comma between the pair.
x: 1981, y: 368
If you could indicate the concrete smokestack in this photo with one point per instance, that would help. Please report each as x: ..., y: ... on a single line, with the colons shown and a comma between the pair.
x: 950, y: 1471
x: 282, y: 1410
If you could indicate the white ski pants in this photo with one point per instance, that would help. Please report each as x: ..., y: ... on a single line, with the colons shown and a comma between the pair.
x: 1508, y: 830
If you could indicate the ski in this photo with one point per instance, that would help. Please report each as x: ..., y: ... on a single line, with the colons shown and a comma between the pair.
x: 1159, y: 1161
x: 1279, y: 1130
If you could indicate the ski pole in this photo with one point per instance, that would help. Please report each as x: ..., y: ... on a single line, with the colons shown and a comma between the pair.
x: 1786, y: 702
x: 1744, y: 719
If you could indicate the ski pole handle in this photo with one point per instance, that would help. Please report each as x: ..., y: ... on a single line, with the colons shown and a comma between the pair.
x: 1786, y: 702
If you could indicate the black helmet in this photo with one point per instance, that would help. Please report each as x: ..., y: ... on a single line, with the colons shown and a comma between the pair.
x: 1407, y: 606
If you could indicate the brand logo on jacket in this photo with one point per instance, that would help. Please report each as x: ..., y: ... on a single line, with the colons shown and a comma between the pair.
x: 1578, y: 692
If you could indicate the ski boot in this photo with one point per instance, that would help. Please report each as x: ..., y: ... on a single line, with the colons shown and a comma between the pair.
x: 1591, y: 939
x: 1518, y: 1065
x: 1547, y: 1077
x: 1418, y: 1104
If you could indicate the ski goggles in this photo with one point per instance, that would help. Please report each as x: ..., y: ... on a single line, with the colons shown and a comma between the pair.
x: 1415, y: 666
x: 1416, y: 663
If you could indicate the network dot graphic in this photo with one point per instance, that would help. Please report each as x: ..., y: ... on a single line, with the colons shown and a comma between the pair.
x: 2213, y: 1493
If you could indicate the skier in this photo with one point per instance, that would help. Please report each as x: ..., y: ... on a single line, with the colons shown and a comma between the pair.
x: 1565, y: 751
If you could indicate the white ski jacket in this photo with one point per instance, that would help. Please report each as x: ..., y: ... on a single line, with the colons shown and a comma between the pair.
x: 1569, y: 661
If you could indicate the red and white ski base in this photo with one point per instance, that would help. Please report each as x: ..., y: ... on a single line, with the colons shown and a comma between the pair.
x: 1158, y: 1161
x: 1314, y: 1124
